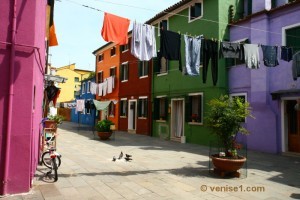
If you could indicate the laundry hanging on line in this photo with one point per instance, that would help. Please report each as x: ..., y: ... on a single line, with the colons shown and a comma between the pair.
x: 115, y: 29
x: 192, y: 55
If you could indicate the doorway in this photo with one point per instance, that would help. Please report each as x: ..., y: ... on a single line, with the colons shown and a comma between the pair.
x: 293, y: 126
x: 177, y: 119
x: 132, y: 108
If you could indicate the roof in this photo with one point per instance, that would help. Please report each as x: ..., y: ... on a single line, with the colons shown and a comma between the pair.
x: 168, y: 10
x: 102, y: 47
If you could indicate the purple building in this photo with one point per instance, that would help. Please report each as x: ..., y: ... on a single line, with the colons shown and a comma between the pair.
x: 22, y: 66
x: 271, y: 91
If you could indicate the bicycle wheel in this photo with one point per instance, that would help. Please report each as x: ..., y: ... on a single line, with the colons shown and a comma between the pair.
x: 46, y: 159
x: 54, y: 168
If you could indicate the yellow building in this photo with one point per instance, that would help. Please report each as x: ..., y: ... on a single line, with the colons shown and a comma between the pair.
x: 72, y: 86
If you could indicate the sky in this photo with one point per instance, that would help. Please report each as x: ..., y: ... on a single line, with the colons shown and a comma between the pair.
x: 78, y: 29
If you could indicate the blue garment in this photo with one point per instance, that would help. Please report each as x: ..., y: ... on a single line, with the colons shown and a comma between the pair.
x: 270, y: 54
x: 286, y: 53
x: 192, y: 55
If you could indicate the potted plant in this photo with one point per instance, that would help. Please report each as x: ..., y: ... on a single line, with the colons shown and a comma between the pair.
x: 103, y: 128
x: 53, y: 121
x: 225, y: 120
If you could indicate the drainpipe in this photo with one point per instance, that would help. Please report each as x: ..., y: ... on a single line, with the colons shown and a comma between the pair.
x: 10, y: 97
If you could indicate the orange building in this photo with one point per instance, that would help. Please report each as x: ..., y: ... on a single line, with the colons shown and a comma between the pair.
x: 107, y: 65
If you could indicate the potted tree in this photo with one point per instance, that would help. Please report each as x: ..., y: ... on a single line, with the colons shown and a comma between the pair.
x: 103, y: 128
x: 225, y: 120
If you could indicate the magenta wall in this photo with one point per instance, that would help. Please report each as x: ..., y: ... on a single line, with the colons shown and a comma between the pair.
x: 266, y: 133
x: 29, y: 64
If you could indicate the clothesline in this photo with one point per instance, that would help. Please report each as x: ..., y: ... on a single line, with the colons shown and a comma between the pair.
x: 172, y: 13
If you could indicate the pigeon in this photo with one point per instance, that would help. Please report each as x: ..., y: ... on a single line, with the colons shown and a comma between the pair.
x: 121, y: 155
x: 114, y: 159
x: 128, y: 156
x: 127, y: 159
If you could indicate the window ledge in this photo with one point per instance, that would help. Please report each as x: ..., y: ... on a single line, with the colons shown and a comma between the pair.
x: 123, y: 117
x: 162, y: 74
x: 124, y: 81
x: 160, y: 120
x: 113, y: 55
x: 195, y: 123
x: 142, y: 117
x: 141, y: 77
x: 125, y: 51
x: 195, y: 19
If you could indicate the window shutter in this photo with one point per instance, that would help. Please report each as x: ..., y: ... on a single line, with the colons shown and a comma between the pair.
x: 156, y: 109
x: 140, y: 68
x: 166, y: 108
x: 121, y: 108
x: 127, y: 71
x: 188, y: 106
x: 146, y: 107
x: 200, y: 108
x: 121, y: 72
x: 197, y: 11
x: 140, y: 108
x: 146, y: 68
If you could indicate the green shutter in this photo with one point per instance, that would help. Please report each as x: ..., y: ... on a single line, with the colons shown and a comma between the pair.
x: 188, y: 107
x: 200, y: 108
x: 249, y: 7
x: 146, y: 68
x: 146, y: 107
x: 156, y: 109
x: 140, y: 68
x: 121, y: 73
x: 293, y: 39
x: 166, y: 108
x: 140, y: 108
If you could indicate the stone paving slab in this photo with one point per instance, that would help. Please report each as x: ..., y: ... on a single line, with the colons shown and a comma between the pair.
x: 159, y: 170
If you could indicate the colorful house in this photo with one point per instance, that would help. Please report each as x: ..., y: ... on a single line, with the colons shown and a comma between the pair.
x: 22, y: 58
x: 74, y: 76
x: 134, y: 93
x: 271, y: 91
x: 88, y: 116
x: 108, y: 65
x: 180, y: 101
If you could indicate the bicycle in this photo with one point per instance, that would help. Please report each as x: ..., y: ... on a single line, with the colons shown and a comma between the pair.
x: 51, y: 158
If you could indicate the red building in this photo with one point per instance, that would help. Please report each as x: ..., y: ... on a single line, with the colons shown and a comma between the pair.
x: 134, y: 93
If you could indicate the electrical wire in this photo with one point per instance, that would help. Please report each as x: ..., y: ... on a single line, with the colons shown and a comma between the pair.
x: 176, y: 14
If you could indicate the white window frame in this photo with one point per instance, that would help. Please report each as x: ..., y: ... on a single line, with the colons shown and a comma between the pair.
x: 284, y: 32
x: 143, y: 97
x: 191, y: 20
x: 160, y: 97
x: 126, y: 49
x: 109, y: 110
x: 124, y: 64
x: 88, y: 88
x: 112, y: 68
x: 202, y: 96
x: 83, y: 88
x: 115, y: 51
x: 143, y: 66
x: 102, y: 57
x: 100, y: 72
x: 167, y: 71
x: 123, y: 99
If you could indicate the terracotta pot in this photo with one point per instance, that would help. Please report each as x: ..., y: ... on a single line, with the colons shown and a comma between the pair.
x: 104, y: 135
x: 50, y: 124
x: 228, y: 165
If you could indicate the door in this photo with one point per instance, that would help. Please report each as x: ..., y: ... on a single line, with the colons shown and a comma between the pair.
x: 293, y: 116
x: 177, y: 119
x: 132, y: 114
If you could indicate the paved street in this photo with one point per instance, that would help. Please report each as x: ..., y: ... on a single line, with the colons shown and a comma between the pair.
x: 159, y: 170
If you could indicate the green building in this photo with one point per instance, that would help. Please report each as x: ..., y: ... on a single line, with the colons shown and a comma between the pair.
x: 180, y: 101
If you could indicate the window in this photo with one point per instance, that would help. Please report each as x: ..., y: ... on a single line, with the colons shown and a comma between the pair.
x: 112, y: 71
x: 113, y: 51
x: 123, y: 109
x: 143, y: 107
x: 75, y: 94
x: 161, y: 108
x: 100, y: 77
x: 163, y: 25
x: 88, y: 89
x: 124, y: 72
x: 100, y: 57
x: 76, y: 79
x: 83, y: 88
x: 111, y: 109
x: 194, y: 108
x: 195, y: 11
x: 292, y: 38
x: 124, y: 48
x: 143, y: 68
x: 161, y: 65
x: 242, y: 96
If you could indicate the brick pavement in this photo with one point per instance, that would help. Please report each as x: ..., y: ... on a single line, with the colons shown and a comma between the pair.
x: 159, y: 170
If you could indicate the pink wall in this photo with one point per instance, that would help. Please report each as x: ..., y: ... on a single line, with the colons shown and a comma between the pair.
x: 29, y: 64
